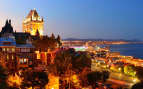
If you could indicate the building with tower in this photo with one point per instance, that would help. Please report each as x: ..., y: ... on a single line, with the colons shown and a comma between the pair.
x: 23, y: 50
x: 16, y: 49
x: 29, y: 48
x: 33, y: 23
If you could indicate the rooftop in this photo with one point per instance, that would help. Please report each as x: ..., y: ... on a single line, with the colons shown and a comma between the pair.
x: 33, y: 13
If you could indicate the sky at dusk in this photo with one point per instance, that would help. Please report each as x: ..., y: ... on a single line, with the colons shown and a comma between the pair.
x: 109, y: 19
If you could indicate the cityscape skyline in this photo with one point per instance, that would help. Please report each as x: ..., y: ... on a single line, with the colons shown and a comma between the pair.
x: 71, y: 44
x: 80, y: 19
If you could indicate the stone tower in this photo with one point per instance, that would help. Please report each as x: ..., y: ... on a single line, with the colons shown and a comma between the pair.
x: 32, y: 23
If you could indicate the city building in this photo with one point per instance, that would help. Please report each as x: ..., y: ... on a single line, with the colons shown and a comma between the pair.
x: 33, y: 23
x: 29, y: 48
x: 16, y: 49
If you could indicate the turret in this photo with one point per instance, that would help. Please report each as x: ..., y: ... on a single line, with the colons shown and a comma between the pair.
x: 37, y: 33
x: 53, y: 36
x: 7, y: 28
x: 36, y: 21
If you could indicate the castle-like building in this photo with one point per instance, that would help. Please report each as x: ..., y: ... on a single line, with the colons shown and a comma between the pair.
x: 29, y: 48
x: 33, y: 23
x: 23, y: 50
x: 16, y: 49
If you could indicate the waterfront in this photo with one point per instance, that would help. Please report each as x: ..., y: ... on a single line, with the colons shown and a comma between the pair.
x: 135, y: 50
x: 76, y: 44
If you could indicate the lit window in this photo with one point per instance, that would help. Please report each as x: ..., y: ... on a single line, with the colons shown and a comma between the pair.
x: 3, y: 49
x: 13, y: 49
x: 24, y: 60
x: 21, y: 61
x: 7, y: 57
x: 38, y: 56
x: 12, y: 57
x: 7, y: 49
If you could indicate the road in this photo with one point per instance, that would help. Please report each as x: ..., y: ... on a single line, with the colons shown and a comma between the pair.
x: 120, y: 78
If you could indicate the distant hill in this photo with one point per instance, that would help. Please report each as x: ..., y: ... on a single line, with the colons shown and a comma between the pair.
x: 74, y: 39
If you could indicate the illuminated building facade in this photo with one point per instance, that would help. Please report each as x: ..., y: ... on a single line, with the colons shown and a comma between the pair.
x: 33, y: 23
x: 16, y: 50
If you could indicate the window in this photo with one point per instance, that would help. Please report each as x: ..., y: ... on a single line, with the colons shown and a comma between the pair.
x: 3, y: 49
x: 13, y: 49
x: 28, y: 49
x: 21, y: 61
x: 38, y: 56
x: 12, y: 57
x: 24, y: 61
x: 23, y: 50
x: 7, y: 57
x: 7, y: 49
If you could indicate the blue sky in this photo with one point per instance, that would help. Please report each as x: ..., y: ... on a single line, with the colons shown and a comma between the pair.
x: 109, y: 19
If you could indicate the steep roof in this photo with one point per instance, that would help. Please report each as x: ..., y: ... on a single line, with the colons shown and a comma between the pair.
x: 21, y: 37
x: 24, y: 46
x: 32, y: 13
x: 7, y: 28
x: 4, y: 41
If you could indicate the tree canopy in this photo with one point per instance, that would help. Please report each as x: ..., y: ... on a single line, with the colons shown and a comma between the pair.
x: 46, y: 42
x: 3, y: 78
x: 32, y: 79
x: 97, y: 76
x: 71, y: 60
x: 138, y: 86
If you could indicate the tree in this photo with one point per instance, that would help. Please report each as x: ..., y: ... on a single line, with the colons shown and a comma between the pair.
x: 81, y: 60
x: 62, y: 62
x: 3, y: 78
x: 14, y: 80
x: 13, y: 87
x: 139, y: 73
x: 96, y: 76
x: 105, y: 75
x: 130, y: 70
x: 32, y: 79
x: 93, y: 77
x: 53, y: 36
x: 59, y: 40
x: 138, y: 86
x: 83, y: 77
x: 69, y: 62
x: 76, y: 60
x: 45, y: 43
